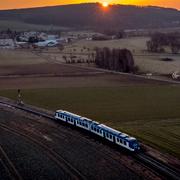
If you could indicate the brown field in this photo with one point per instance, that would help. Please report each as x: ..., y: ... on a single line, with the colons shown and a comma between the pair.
x: 24, y: 69
x: 18, y: 57
x: 147, y: 62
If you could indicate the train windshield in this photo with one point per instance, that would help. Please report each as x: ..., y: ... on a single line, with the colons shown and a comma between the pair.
x: 136, y: 145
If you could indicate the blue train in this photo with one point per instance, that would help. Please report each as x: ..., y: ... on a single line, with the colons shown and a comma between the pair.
x: 101, y: 130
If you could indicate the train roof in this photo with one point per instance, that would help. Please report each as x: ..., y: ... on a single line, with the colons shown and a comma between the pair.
x: 71, y: 114
x: 59, y: 110
x: 131, y: 138
x: 117, y: 133
x: 68, y: 113
x: 111, y: 130
x: 95, y: 123
x: 86, y: 119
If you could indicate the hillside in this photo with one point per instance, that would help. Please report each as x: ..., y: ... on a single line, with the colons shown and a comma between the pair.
x: 93, y: 15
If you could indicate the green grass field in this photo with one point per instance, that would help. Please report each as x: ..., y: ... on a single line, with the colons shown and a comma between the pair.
x: 151, y: 114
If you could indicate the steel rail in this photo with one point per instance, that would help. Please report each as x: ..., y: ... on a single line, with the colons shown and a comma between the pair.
x: 59, y: 160
x: 9, y: 166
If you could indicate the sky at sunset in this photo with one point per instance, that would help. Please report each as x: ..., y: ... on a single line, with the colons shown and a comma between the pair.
x: 13, y: 4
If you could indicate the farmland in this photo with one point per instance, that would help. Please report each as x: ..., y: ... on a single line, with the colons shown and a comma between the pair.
x: 146, y: 61
x: 20, y: 26
x: 144, y: 108
x: 18, y: 57
x: 150, y: 113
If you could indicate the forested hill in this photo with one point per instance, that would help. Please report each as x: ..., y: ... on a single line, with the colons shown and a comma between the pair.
x: 94, y: 15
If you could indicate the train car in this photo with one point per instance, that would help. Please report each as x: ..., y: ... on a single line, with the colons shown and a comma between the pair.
x: 59, y: 115
x: 96, y: 129
x: 67, y: 117
x: 110, y: 134
x: 84, y: 123
x: 119, y: 138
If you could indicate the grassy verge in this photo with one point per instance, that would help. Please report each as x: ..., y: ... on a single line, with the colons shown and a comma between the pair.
x: 150, y: 113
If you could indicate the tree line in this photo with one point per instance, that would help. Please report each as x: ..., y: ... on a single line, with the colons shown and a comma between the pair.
x: 116, y: 59
x: 160, y: 40
x: 91, y: 15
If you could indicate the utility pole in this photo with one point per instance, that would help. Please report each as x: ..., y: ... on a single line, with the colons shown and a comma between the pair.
x: 19, y: 98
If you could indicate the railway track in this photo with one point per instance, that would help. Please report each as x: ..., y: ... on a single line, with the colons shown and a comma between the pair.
x: 59, y: 160
x: 8, y: 165
x: 150, y: 162
x: 162, y: 168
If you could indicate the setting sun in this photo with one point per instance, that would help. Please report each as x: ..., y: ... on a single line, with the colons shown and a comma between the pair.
x: 105, y: 4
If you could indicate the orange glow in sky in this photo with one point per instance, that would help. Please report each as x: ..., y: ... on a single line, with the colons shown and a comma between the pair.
x: 13, y: 4
x: 105, y: 4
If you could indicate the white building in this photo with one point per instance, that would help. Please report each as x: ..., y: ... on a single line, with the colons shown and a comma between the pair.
x: 7, y: 44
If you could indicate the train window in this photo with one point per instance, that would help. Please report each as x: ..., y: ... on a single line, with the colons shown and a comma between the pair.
x: 125, y: 143
x: 117, y: 139
x: 120, y: 140
x: 110, y: 136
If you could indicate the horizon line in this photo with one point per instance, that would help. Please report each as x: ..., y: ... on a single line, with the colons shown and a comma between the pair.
x: 110, y: 4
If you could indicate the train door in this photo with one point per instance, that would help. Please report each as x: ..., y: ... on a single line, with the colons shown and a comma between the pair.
x: 114, y: 140
x: 104, y: 134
